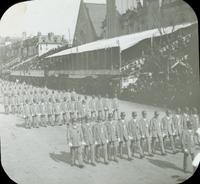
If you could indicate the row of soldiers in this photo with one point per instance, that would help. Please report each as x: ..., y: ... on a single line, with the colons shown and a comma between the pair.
x: 42, y: 106
x: 94, y: 124
x: 90, y: 138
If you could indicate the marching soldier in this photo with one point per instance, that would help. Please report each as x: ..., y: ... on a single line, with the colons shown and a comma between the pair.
x: 85, y: 107
x: 71, y: 106
x: 144, y: 131
x: 123, y: 136
x: 99, y: 107
x: 35, y: 110
x: 188, y: 143
x: 112, y: 137
x: 101, y: 139
x: 88, y: 140
x: 64, y: 109
x: 75, y: 138
x: 50, y: 112
x: 73, y: 94
x: 185, y: 117
x: 134, y: 135
x: 178, y: 125
x: 156, y: 133
x: 115, y: 107
x: 12, y: 103
x: 43, y: 113
x: 106, y: 106
x: 57, y: 112
x: 6, y: 102
x: 195, y: 124
x: 78, y: 107
x: 27, y: 114
x: 17, y: 102
x: 92, y: 107
x: 168, y: 130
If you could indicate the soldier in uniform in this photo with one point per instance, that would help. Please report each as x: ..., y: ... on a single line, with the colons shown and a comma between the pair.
x: 123, y: 136
x: 115, y: 107
x: 185, y: 117
x: 99, y: 107
x: 35, y: 110
x: 64, y: 109
x: 57, y: 111
x: 12, y: 103
x: 17, y: 102
x: 101, y: 139
x: 194, y: 118
x: 43, y: 113
x: 112, y: 137
x: 178, y: 126
x: 78, y: 107
x: 92, y: 106
x: 85, y: 108
x: 156, y: 133
x: 144, y: 124
x: 106, y: 106
x: 134, y: 135
x: 27, y: 114
x: 71, y: 106
x: 50, y: 112
x: 88, y: 140
x: 6, y: 102
x: 75, y: 139
x: 168, y: 130
x: 188, y: 143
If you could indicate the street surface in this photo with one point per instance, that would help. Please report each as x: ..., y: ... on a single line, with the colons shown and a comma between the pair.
x: 41, y: 156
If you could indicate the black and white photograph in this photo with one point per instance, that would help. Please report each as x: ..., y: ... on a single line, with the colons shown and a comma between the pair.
x: 99, y: 92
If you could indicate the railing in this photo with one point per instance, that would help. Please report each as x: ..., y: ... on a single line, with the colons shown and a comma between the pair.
x: 41, y: 73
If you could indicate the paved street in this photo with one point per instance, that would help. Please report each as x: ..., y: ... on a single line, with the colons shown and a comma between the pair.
x: 42, y: 156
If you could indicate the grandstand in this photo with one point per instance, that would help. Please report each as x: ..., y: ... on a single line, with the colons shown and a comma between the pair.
x: 147, y: 67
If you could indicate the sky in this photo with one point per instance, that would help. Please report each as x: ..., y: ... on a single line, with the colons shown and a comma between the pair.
x: 58, y: 16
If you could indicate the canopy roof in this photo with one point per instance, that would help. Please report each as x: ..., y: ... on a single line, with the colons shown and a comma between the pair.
x: 124, y: 42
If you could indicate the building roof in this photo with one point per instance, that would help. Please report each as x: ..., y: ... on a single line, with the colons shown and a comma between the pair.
x: 124, y: 42
x: 97, y: 13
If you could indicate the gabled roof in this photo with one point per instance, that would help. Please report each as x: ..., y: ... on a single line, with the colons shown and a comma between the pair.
x: 97, y: 13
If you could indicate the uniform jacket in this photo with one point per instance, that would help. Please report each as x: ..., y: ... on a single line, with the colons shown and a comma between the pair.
x: 26, y: 110
x: 99, y: 105
x: 134, y: 129
x: 100, y: 133
x: 178, y: 124
x: 185, y: 118
x: 92, y: 105
x: 71, y: 106
x: 195, y: 121
x: 43, y: 110
x: 6, y: 100
x: 88, y: 133
x: 155, y: 127
x: 112, y: 130
x: 144, y: 127
x: 167, y: 126
x: 35, y: 109
x: 75, y: 135
x: 78, y: 106
x: 49, y: 108
x: 122, y: 131
x: 57, y: 109
x: 188, y: 141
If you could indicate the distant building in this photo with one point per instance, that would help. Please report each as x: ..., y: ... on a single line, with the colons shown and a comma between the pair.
x: 89, y: 23
x: 130, y: 16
